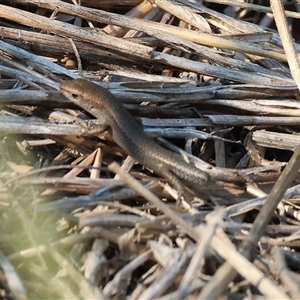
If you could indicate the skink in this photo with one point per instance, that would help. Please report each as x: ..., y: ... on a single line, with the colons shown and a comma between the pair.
x: 129, y: 135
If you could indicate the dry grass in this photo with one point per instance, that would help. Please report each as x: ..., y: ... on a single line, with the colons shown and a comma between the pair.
x: 219, y: 82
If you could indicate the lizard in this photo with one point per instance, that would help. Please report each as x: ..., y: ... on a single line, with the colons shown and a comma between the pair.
x: 128, y: 133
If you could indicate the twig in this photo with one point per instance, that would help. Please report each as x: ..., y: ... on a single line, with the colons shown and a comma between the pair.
x: 287, y: 42
x: 13, y: 279
x: 227, y: 273
x: 284, y: 273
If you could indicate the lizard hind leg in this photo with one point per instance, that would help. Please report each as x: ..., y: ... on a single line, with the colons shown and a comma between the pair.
x: 180, y: 187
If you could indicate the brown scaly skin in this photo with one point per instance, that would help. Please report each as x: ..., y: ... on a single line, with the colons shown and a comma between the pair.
x: 129, y: 134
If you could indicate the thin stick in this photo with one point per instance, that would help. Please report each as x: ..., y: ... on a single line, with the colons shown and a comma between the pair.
x: 227, y: 273
x: 139, y: 188
x: 286, y: 39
